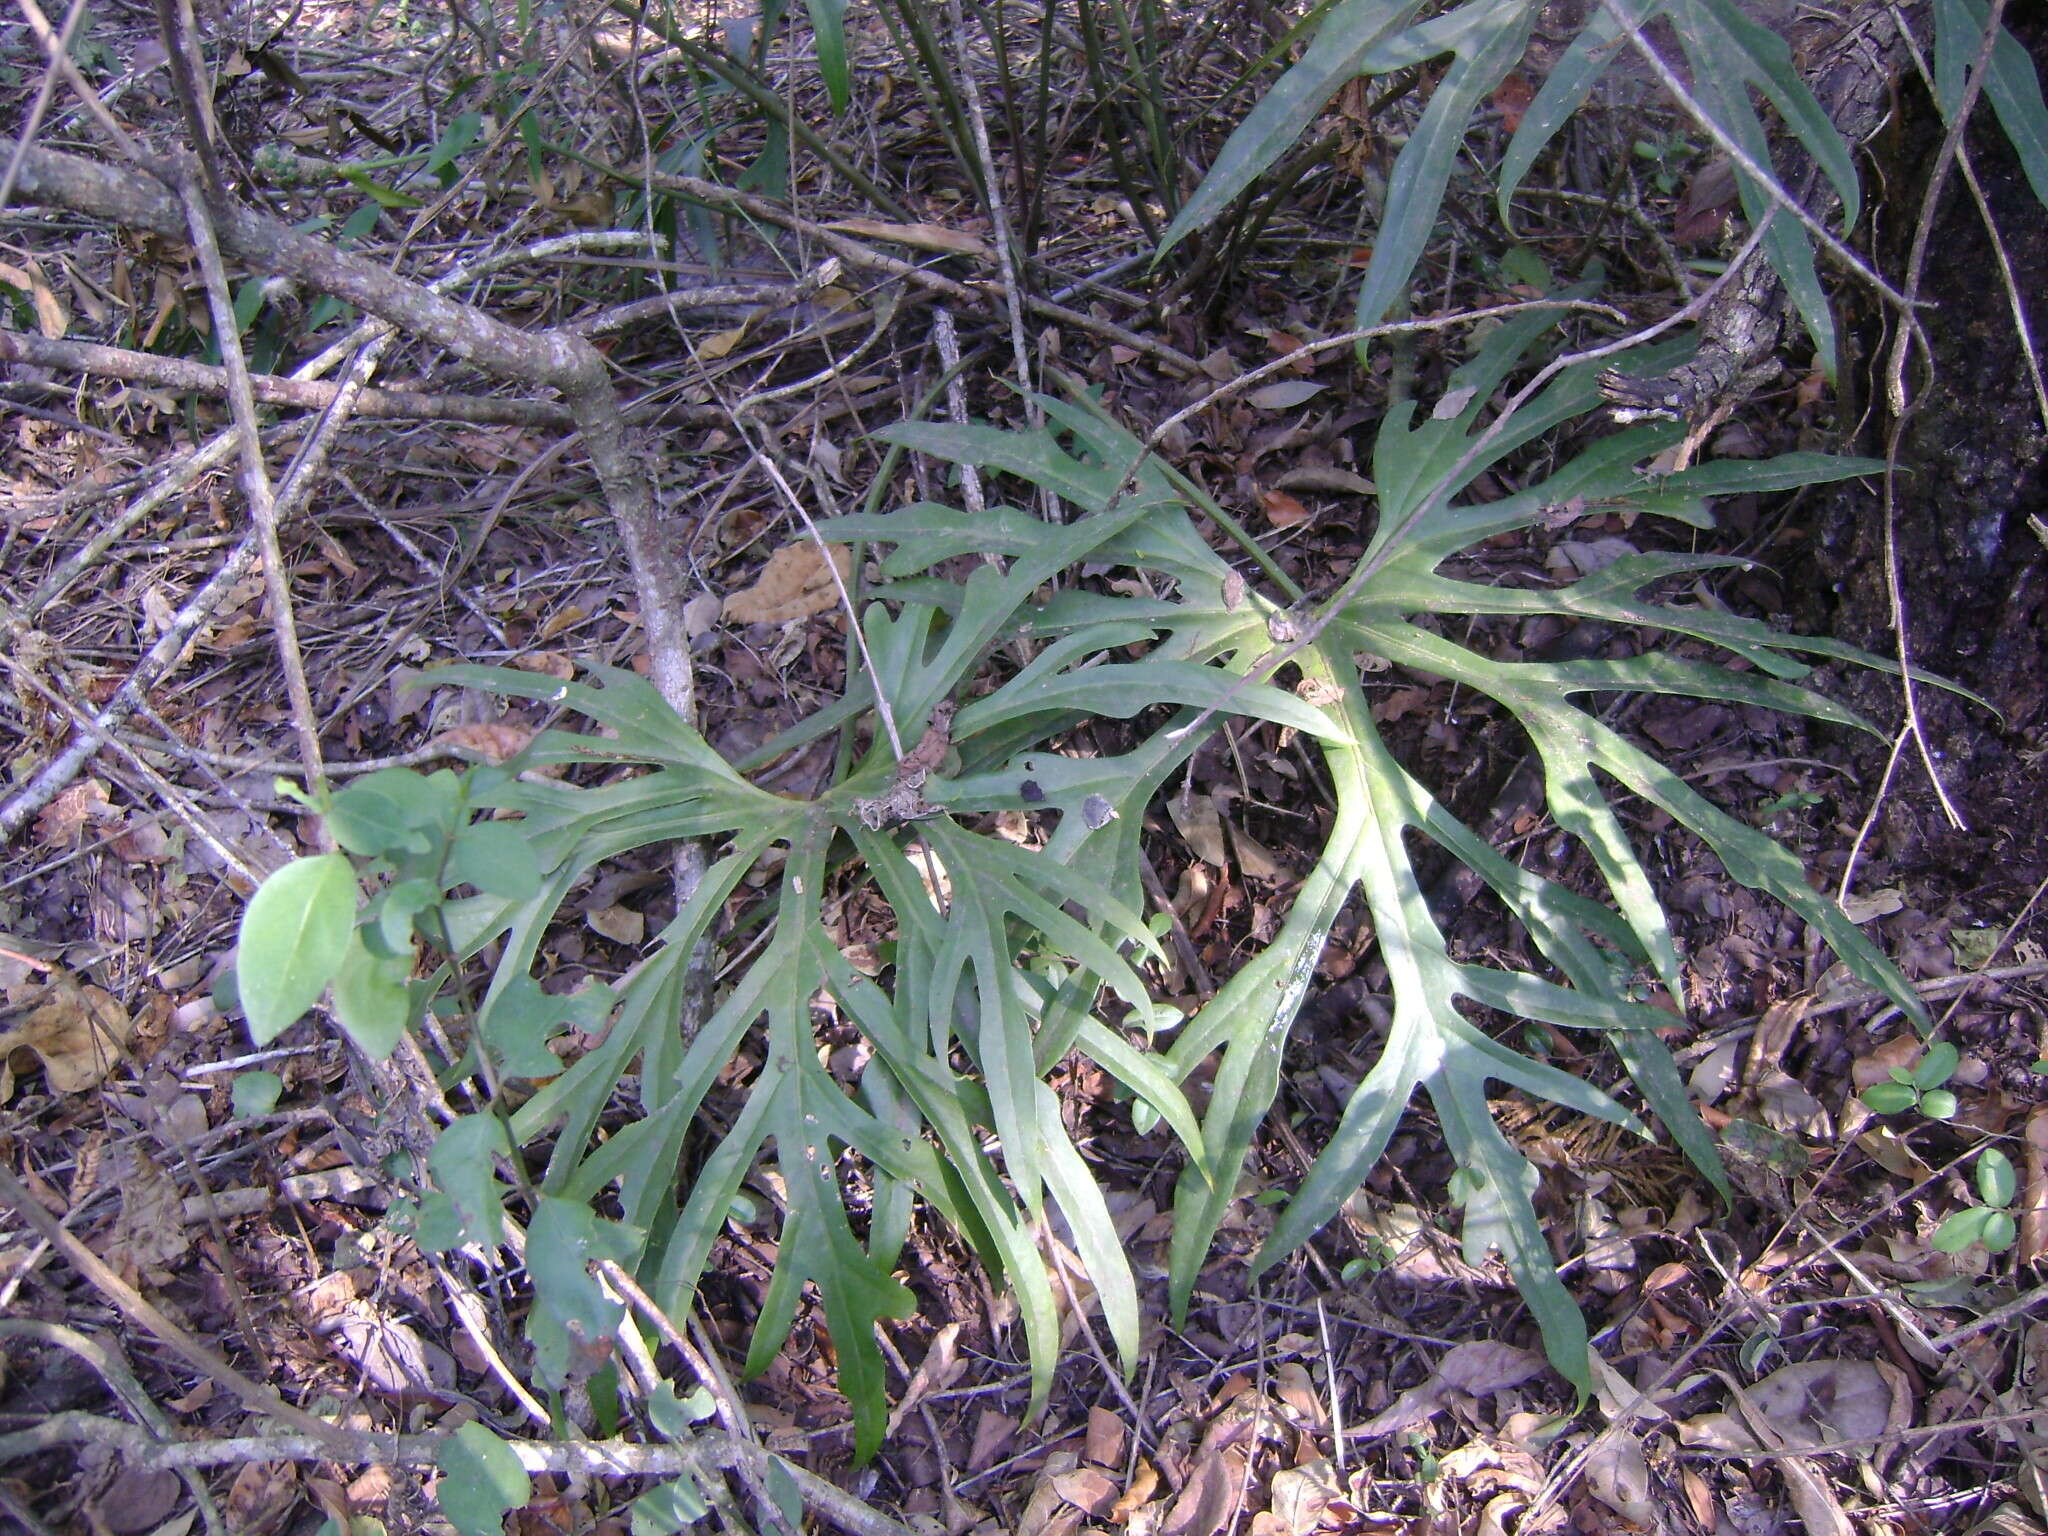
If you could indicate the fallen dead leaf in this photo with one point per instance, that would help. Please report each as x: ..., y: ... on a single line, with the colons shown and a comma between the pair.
x: 553, y: 664
x: 1861, y: 909
x: 493, y: 741
x: 2033, y: 1239
x: 1087, y: 1489
x: 1046, y: 1512
x: 390, y: 1354
x: 1105, y: 1443
x: 1301, y: 1494
x: 77, y: 1032
x: 62, y: 822
x: 1486, y: 1365
x: 1283, y: 510
x: 795, y: 584
x: 1283, y: 396
x: 139, y: 1499
x: 1210, y: 1494
x: 1326, y: 478
x: 939, y: 1369
x: 51, y: 319
x: 1199, y: 820
x: 1618, y: 1475
x: 1144, y: 1483
x: 922, y: 237
x: 622, y: 925
x: 1814, y: 1401
x: 149, y: 1232
x: 261, y: 1495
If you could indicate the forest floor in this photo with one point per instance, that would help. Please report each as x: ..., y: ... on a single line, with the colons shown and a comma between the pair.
x: 1378, y: 1382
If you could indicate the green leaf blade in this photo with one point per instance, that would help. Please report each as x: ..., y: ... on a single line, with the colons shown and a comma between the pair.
x: 294, y: 936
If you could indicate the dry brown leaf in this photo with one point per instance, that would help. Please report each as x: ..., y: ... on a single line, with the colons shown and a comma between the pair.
x: 1105, y: 1442
x: 553, y: 664
x: 2033, y: 1239
x: 1411, y: 1410
x: 1198, y: 819
x: 1813, y: 1500
x: 1295, y: 1388
x: 77, y: 1032
x: 1787, y: 1107
x: 1618, y: 1475
x: 1486, y: 1365
x: 62, y: 822
x: 1283, y: 510
x: 1861, y: 909
x: 1208, y: 1497
x: 139, y: 1499
x: 1046, y: 1513
x: 1301, y: 1494
x: 1814, y: 1401
x: 263, y: 1492
x: 622, y: 925
x: 1284, y: 396
x: 939, y: 1369
x: 493, y: 741
x: 719, y: 343
x: 1717, y: 1432
x: 1088, y: 1489
x: 922, y: 237
x: 1144, y: 1483
x: 795, y: 584
x: 390, y: 1355
x: 1327, y: 478
x: 149, y: 1233
x: 50, y: 317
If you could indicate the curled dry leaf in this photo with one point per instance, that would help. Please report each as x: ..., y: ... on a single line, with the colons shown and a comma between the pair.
x: 795, y: 583
x: 77, y: 1032
x: 1618, y: 1475
x: 1199, y: 820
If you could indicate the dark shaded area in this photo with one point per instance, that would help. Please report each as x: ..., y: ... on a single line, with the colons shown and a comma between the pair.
x: 1973, y: 575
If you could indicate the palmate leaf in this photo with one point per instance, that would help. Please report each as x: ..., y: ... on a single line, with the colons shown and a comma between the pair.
x: 1432, y: 1045
x: 1006, y: 959
x: 1343, y: 42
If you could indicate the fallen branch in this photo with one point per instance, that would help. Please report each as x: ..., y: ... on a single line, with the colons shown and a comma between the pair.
x: 556, y: 359
x: 272, y: 389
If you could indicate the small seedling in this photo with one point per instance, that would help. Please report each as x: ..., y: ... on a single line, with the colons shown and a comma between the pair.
x: 1919, y: 1086
x: 1990, y: 1224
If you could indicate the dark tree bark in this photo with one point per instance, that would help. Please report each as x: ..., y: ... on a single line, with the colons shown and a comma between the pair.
x: 1973, y: 573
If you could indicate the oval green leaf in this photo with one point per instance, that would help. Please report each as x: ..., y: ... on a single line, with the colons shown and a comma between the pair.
x: 293, y: 938
x: 1996, y: 1181
x: 370, y: 999
x: 481, y: 1480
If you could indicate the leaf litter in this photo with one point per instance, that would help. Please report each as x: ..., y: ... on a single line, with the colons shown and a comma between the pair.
x: 1224, y: 1436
